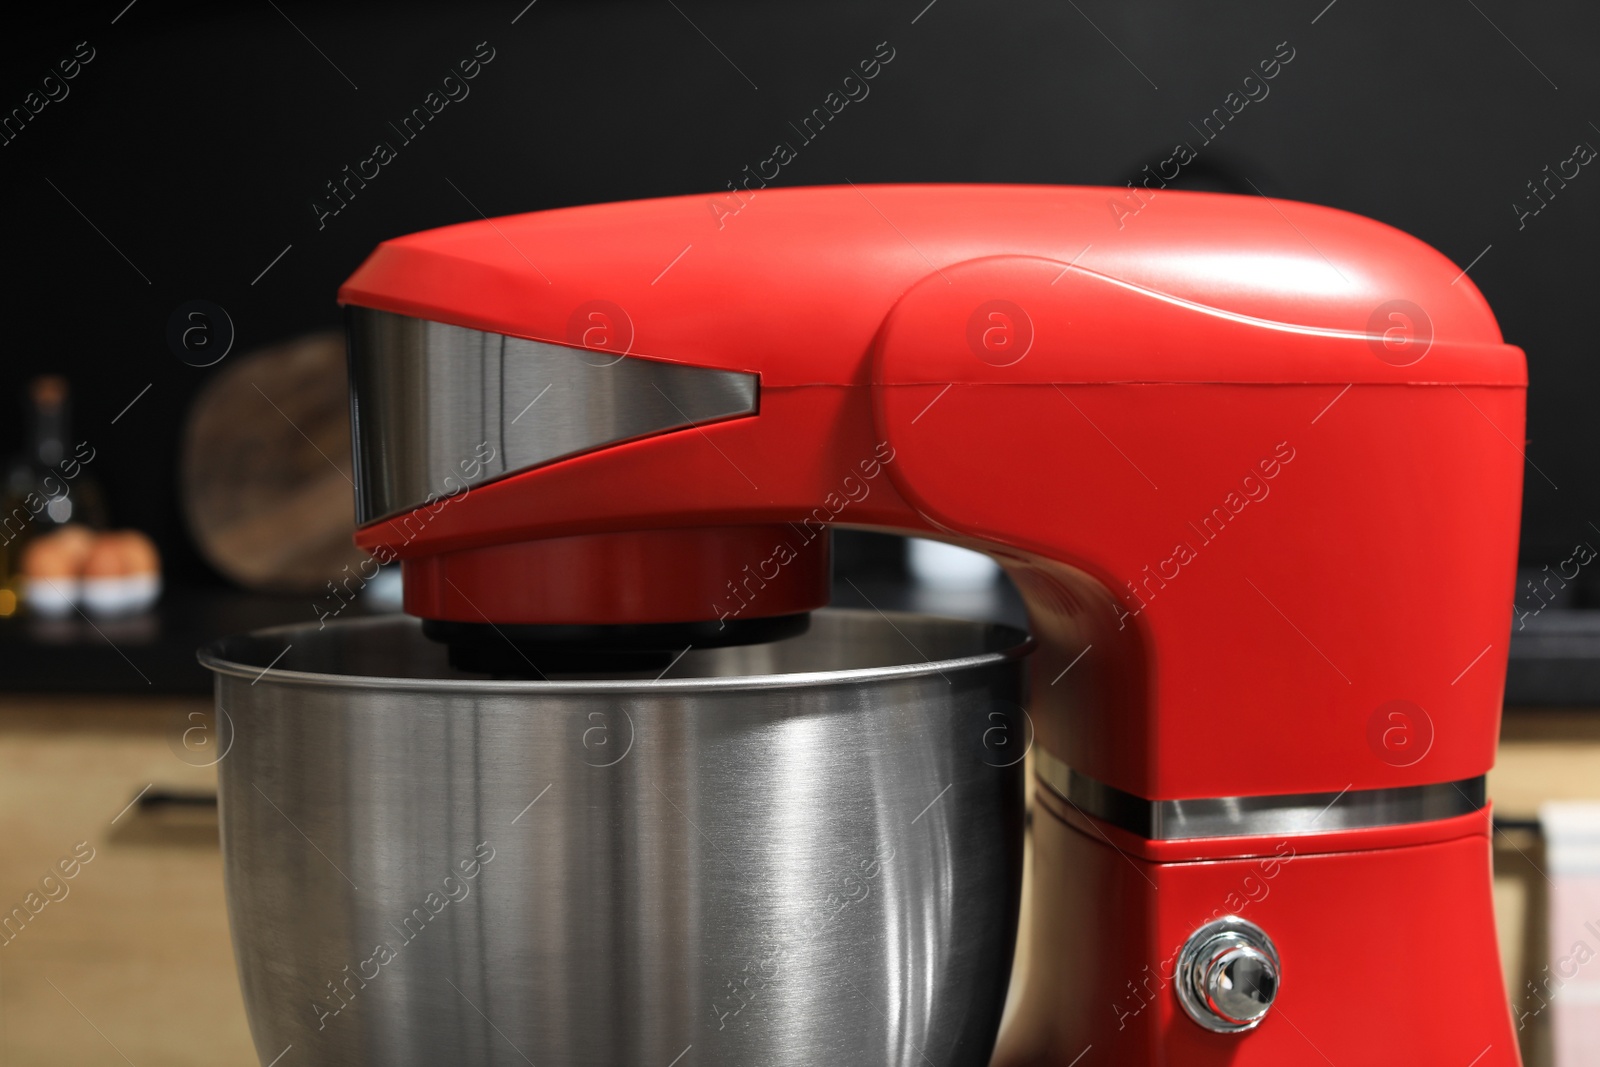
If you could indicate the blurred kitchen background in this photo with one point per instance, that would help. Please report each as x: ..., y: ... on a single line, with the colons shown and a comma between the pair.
x: 172, y: 409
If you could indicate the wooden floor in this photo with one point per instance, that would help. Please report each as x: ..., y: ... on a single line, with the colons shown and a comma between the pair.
x: 134, y: 966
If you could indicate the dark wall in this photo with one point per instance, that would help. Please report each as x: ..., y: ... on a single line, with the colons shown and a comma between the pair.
x: 197, y: 138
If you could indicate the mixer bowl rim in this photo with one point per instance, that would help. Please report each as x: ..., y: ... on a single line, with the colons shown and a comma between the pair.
x: 211, y: 656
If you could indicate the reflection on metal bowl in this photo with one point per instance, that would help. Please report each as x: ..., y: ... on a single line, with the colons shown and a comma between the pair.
x: 801, y: 852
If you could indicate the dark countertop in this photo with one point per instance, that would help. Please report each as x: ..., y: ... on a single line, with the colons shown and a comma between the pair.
x: 150, y: 653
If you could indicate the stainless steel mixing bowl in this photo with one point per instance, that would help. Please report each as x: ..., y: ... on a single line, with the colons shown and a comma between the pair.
x: 801, y: 853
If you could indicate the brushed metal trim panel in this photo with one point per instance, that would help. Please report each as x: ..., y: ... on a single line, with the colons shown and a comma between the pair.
x: 1285, y: 814
x: 438, y: 408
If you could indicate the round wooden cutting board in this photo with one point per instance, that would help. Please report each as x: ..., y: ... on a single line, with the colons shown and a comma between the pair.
x: 266, y: 476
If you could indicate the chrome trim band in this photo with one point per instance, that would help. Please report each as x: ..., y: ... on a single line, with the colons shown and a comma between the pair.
x: 437, y: 409
x: 1286, y: 814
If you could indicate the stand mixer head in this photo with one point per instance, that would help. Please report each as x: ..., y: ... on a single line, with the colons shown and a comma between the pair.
x: 1220, y: 448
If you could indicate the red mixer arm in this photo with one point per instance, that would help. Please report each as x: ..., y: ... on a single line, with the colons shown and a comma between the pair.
x: 1261, y: 459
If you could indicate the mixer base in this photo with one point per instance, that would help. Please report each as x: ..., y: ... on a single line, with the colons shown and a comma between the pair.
x: 1389, y: 950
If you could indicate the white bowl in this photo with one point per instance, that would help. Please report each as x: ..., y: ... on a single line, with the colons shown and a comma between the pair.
x: 50, y: 598
x: 124, y: 595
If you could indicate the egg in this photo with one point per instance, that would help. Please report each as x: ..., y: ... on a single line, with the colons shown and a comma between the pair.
x: 51, y: 556
x: 122, y: 575
x: 108, y: 558
x: 141, y: 554
x: 51, y: 564
x: 76, y: 539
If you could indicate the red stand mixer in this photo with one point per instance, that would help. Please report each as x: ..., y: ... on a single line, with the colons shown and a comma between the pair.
x: 1254, y: 466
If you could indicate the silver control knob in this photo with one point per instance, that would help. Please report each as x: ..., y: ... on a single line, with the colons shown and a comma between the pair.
x: 1228, y: 975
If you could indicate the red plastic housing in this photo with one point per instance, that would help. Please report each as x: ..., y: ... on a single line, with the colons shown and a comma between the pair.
x: 1206, y: 460
x: 1257, y: 462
